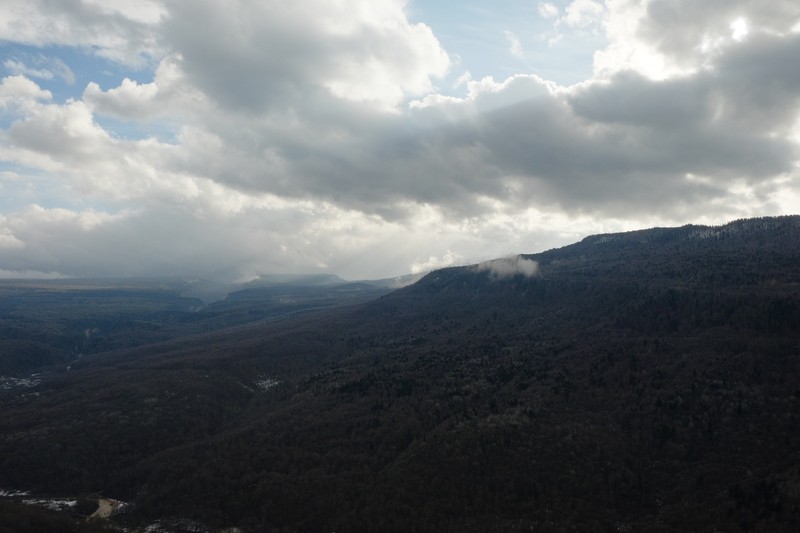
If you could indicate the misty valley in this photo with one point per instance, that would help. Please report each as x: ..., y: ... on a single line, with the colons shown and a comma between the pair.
x: 638, y: 381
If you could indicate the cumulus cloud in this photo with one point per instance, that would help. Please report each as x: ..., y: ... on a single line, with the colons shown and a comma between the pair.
x: 8, y: 240
x: 517, y: 141
x: 256, y: 56
x: 680, y: 29
x: 312, y: 133
x: 508, y: 267
x: 663, y: 38
x: 16, y: 91
x: 167, y: 96
x: 64, y: 134
x: 129, y: 100
x: 629, y: 142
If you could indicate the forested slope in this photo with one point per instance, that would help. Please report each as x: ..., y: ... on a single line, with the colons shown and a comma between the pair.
x: 640, y: 381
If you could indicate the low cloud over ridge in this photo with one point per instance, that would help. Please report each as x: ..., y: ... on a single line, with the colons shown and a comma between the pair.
x: 508, y: 267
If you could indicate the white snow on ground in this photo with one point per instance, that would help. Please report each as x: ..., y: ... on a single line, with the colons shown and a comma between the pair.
x: 261, y: 383
x: 13, y: 493
x: 9, y: 383
x: 52, y: 504
x: 167, y: 525
x: 266, y: 383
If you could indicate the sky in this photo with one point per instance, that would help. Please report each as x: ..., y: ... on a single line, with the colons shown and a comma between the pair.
x: 374, y: 138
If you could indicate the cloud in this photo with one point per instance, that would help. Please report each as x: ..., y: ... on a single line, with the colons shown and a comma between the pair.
x: 65, y: 133
x: 506, y: 145
x: 663, y: 38
x: 462, y: 80
x: 630, y: 141
x: 514, y: 44
x: 509, y: 267
x: 433, y: 262
x: 48, y: 69
x: 312, y: 135
x: 253, y: 57
x: 167, y: 96
x: 678, y: 29
x: 739, y: 29
x: 112, y: 31
x: 548, y: 10
x: 583, y: 13
x: 518, y: 141
x: 7, y: 238
x: 230, y: 244
x: 19, y: 91
x: 18, y: 68
x: 29, y: 274
x: 141, y: 11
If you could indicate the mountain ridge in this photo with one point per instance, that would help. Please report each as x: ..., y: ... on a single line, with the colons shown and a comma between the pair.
x: 641, y: 384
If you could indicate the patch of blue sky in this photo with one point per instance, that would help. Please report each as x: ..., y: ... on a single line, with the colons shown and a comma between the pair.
x: 65, y: 71
x: 481, y: 36
x: 7, y: 117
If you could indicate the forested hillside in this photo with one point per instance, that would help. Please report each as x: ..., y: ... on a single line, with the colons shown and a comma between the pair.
x: 645, y: 381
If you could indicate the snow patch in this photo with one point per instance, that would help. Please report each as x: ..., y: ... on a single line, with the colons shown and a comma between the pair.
x: 51, y: 504
x: 266, y: 383
x: 13, y: 493
x: 261, y: 383
x: 9, y: 383
x: 166, y: 525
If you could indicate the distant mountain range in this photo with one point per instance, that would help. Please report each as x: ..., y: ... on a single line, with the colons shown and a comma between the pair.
x: 46, y: 325
x: 640, y: 381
